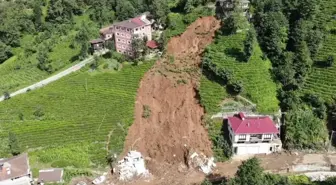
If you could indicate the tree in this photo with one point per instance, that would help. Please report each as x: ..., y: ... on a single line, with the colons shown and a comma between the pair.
x: 236, y: 22
x: 13, y: 144
x: 125, y: 10
x: 317, y: 104
x: 138, y: 47
x: 160, y: 11
x: 304, y: 130
x: 5, y: 52
x: 249, y: 44
x: 101, y: 13
x: 82, y: 38
x: 249, y: 173
x: 43, y: 60
x: 272, y: 29
x: 61, y: 11
x: 37, y: 16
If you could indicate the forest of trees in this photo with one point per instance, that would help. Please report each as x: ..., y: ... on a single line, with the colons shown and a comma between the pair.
x: 59, y: 14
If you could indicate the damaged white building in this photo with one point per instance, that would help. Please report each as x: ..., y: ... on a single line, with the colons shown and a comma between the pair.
x: 133, y: 165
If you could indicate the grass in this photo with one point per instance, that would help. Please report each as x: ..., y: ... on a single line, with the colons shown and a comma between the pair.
x: 226, y: 52
x: 78, y: 113
x: 322, y: 80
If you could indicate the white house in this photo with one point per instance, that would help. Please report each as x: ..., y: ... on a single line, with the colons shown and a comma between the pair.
x: 253, y: 135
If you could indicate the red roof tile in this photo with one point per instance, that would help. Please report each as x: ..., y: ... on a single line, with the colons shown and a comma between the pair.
x: 241, y: 124
x: 152, y: 44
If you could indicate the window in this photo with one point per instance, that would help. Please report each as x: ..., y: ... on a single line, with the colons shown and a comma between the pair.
x: 129, y: 53
x: 129, y: 42
x: 122, y: 35
x: 242, y: 137
x: 117, y: 27
x: 119, y: 51
x: 128, y: 29
x: 123, y: 47
x: 136, y: 29
x: 118, y: 40
x: 267, y: 136
x: 118, y: 33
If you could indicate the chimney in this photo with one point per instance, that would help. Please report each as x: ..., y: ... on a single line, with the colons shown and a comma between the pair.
x: 242, y: 116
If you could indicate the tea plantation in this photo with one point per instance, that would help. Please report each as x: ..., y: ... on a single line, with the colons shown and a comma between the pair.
x: 72, y: 118
x: 255, y: 74
x: 322, y: 80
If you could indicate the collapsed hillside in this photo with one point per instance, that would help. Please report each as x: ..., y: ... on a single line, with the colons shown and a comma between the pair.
x: 168, y: 117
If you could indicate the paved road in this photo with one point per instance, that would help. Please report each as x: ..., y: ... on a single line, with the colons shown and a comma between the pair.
x: 53, y: 78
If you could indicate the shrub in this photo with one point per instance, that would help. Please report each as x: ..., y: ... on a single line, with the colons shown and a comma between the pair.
x: 38, y: 112
x: 6, y: 96
x: 330, y: 61
x: 235, y: 87
x: 146, y: 111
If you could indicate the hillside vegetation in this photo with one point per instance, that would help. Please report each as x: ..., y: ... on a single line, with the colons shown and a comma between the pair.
x: 226, y: 54
x: 322, y: 79
x: 76, y: 120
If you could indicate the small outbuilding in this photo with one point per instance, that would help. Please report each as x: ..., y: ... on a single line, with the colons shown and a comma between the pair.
x: 152, y: 44
x: 97, y: 44
x: 54, y: 175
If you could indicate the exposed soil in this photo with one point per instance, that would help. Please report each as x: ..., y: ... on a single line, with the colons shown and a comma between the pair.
x: 174, y: 126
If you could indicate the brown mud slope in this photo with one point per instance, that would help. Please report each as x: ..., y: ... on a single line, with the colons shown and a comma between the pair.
x: 169, y: 89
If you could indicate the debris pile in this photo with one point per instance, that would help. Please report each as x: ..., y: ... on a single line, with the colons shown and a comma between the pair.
x: 202, y: 162
x: 133, y: 165
x: 320, y: 176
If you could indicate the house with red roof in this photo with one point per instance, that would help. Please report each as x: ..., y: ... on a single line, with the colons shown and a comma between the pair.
x: 123, y: 33
x: 253, y: 134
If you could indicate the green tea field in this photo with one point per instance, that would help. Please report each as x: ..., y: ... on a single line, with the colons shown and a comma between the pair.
x: 255, y: 74
x: 75, y: 120
x: 322, y: 80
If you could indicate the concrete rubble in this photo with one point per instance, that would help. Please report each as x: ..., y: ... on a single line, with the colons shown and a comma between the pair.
x: 320, y: 176
x: 204, y: 164
x: 132, y: 165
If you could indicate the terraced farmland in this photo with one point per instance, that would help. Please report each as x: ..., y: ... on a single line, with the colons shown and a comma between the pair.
x: 211, y: 94
x: 255, y: 74
x: 322, y: 80
x: 83, y: 108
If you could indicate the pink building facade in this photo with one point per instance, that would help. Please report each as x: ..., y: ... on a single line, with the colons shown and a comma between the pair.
x: 124, y: 32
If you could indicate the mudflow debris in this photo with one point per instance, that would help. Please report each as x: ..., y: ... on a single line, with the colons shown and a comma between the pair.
x: 133, y: 165
x: 202, y: 162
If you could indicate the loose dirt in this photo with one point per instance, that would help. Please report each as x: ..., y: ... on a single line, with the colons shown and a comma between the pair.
x: 174, y: 126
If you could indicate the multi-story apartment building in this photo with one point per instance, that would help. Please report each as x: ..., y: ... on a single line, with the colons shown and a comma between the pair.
x: 253, y: 135
x: 126, y: 31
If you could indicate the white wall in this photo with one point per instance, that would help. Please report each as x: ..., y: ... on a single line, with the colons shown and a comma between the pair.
x: 254, y: 148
